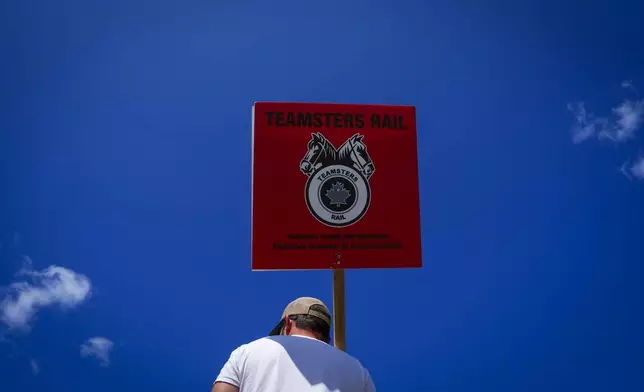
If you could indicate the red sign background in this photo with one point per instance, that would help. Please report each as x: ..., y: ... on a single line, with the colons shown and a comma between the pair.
x: 286, y: 234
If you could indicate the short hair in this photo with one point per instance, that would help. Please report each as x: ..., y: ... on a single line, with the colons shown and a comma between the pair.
x: 314, y: 324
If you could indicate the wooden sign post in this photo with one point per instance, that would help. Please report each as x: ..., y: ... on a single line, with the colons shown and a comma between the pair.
x: 339, y: 322
x: 335, y: 186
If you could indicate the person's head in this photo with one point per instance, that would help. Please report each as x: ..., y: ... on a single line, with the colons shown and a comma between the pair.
x: 305, y: 316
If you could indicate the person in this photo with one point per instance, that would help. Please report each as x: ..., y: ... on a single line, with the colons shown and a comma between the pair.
x: 295, y: 357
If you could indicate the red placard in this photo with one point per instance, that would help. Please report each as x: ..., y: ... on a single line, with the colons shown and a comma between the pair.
x: 334, y: 186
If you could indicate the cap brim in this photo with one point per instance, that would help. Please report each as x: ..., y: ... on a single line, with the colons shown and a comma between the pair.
x: 278, y: 328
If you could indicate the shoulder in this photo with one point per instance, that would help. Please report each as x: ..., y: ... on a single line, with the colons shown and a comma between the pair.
x: 364, y: 374
x: 259, y: 344
x: 253, y: 348
x: 369, y: 385
x: 253, y: 345
x: 235, y: 368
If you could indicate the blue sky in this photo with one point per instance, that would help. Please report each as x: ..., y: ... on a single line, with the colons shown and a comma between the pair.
x: 125, y: 186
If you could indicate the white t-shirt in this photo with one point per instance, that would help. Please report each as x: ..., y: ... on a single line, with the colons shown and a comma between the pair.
x: 294, y: 364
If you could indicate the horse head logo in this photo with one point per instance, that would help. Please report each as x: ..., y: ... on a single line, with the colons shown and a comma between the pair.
x: 356, y: 150
x: 337, y: 191
x: 319, y: 153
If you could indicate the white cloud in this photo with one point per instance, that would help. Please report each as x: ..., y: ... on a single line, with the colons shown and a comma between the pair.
x: 35, y: 369
x: 625, y: 120
x: 621, y: 126
x: 98, y: 347
x: 586, y: 124
x: 628, y: 84
x: 637, y: 169
x: 628, y: 119
x: 52, y: 286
